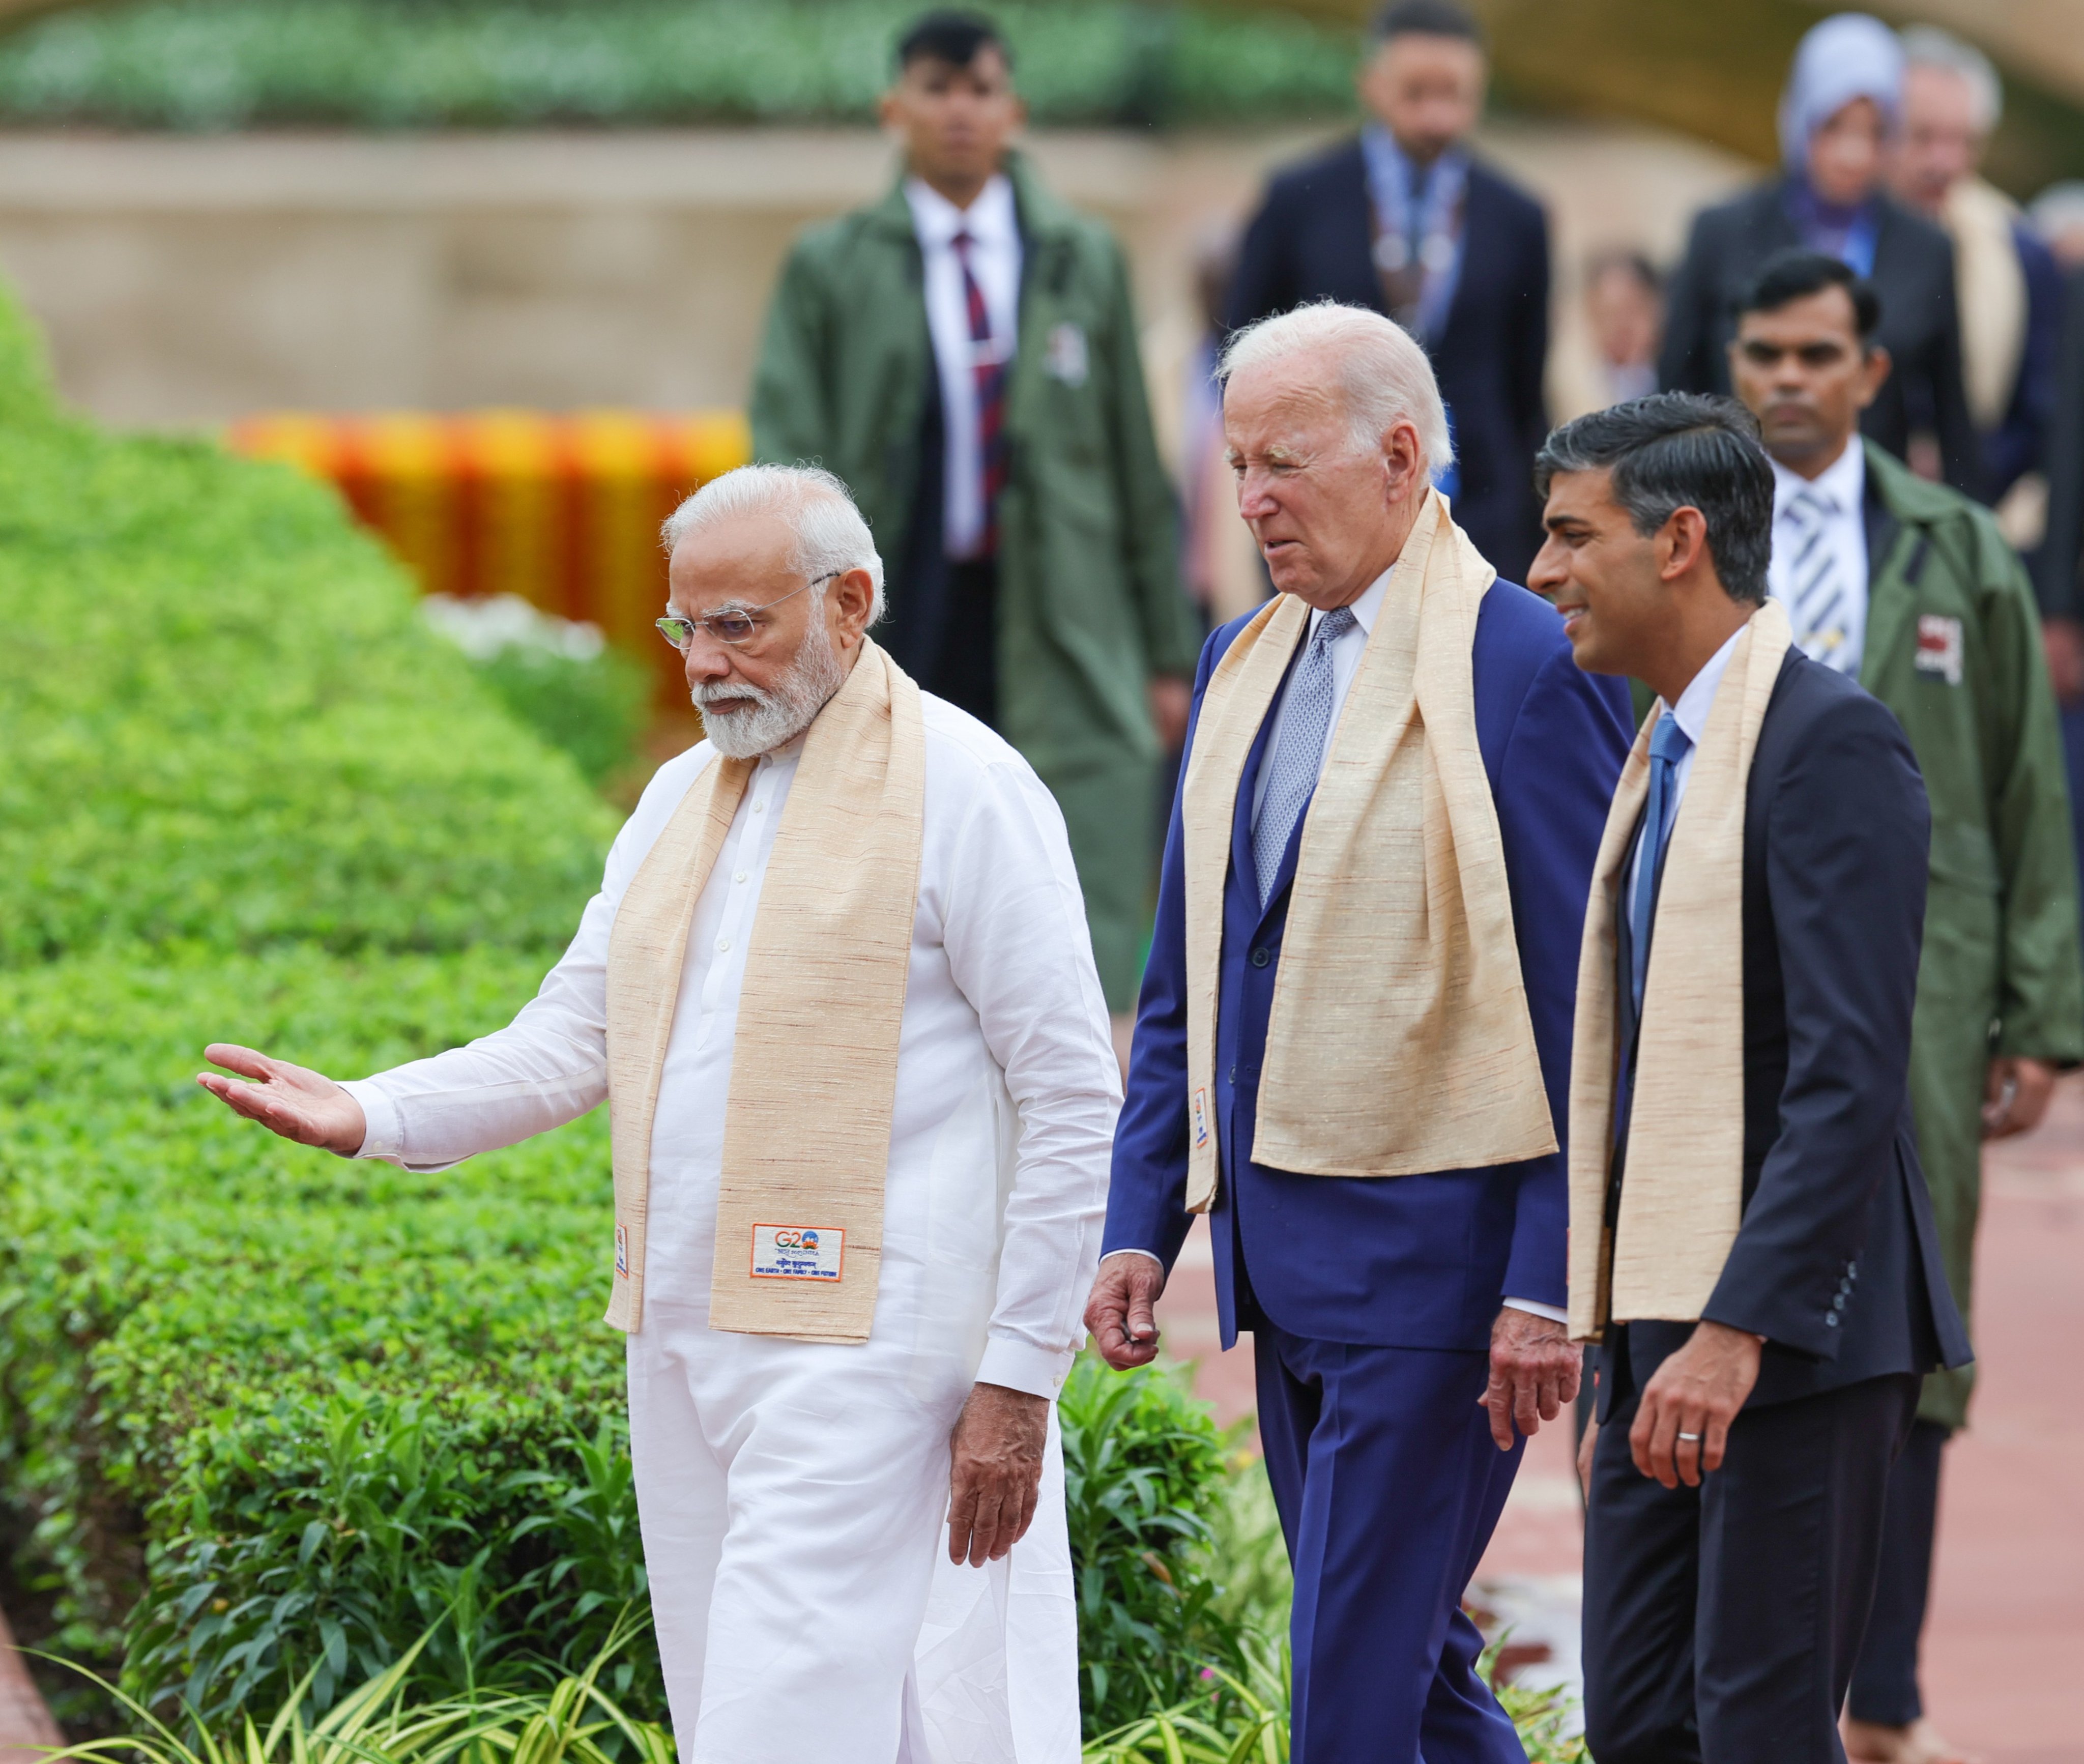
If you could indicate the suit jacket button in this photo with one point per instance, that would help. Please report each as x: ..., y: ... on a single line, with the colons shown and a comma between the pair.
x: 1261, y: 957
x: 1830, y: 1320
x: 1233, y: 1079
x: 1838, y: 1303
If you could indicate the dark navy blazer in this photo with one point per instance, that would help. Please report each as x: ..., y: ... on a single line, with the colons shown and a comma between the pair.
x: 1412, y: 1261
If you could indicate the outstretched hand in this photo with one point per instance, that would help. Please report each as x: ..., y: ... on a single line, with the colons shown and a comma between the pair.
x: 292, y: 1100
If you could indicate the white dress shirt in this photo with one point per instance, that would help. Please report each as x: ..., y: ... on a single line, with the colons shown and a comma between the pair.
x: 1007, y: 1086
x: 993, y: 225
x: 1346, y: 651
x: 1842, y: 486
x: 1691, y: 714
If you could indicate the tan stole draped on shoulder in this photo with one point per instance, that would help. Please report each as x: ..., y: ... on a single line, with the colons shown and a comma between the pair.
x: 813, y: 1066
x: 1400, y: 1042
x: 1683, y: 1195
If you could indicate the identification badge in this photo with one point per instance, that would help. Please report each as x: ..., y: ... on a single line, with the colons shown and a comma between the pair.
x: 1939, y: 647
x: 798, y: 1252
x: 1200, y: 1118
x: 1064, y: 357
x: 621, y: 1252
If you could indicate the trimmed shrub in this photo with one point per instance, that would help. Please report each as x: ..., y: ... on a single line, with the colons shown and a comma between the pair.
x: 223, y: 722
x: 266, y: 1410
x: 229, y: 63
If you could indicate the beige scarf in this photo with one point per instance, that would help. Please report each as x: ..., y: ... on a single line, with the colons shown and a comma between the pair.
x: 1399, y: 1041
x: 1683, y: 1196
x: 813, y: 1066
x: 1992, y: 290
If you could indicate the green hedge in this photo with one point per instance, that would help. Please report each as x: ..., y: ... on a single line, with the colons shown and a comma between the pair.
x: 223, y: 64
x: 249, y: 795
x: 186, y: 1300
x: 223, y: 722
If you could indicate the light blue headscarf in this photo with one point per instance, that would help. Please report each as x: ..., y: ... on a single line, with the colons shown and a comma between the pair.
x: 1848, y: 56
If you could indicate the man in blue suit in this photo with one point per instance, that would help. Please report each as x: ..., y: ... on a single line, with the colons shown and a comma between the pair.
x: 1406, y: 1313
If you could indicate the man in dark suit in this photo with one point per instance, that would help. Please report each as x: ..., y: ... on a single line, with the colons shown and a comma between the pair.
x: 1407, y: 220
x: 1737, y: 1474
x: 1842, y: 110
x: 1405, y: 1324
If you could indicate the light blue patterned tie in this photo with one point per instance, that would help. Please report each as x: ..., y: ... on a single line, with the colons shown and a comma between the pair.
x: 1305, y: 720
x: 1668, y: 745
x: 1816, y: 591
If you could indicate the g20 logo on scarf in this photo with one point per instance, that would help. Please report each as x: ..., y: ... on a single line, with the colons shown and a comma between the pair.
x: 798, y: 1252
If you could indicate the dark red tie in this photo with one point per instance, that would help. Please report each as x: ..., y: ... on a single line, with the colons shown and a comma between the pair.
x: 989, y: 371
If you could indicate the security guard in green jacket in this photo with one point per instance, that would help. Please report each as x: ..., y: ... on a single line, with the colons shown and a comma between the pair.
x: 1909, y: 586
x: 964, y: 354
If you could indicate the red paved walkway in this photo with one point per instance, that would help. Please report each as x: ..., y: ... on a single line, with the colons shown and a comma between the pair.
x: 2004, y: 1651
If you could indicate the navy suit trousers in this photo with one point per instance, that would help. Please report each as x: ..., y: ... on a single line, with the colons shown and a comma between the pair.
x: 1389, y: 1485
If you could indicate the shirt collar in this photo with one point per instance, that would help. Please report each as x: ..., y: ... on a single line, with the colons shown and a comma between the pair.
x: 1388, y: 162
x: 1698, y: 699
x: 990, y: 220
x: 1366, y: 610
x: 1843, y: 483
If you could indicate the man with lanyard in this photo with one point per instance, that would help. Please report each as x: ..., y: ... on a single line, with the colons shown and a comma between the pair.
x: 1406, y: 220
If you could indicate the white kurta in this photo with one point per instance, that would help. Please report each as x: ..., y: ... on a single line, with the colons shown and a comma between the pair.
x: 793, y: 1494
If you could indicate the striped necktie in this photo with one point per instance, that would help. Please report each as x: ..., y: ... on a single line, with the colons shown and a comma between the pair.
x: 1817, y: 604
x: 988, y: 361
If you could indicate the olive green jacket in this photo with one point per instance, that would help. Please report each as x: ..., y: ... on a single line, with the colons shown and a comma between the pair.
x: 1090, y: 602
x: 1953, y: 647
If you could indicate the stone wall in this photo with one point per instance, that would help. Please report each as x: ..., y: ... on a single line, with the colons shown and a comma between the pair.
x: 190, y: 281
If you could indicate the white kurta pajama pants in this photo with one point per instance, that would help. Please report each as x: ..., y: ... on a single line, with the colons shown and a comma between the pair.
x: 794, y: 1516
x: 793, y: 1494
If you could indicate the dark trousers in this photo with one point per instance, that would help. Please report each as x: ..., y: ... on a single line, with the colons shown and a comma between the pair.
x: 965, y: 666
x: 1885, y: 1679
x: 1721, y: 1622
x: 1389, y: 1486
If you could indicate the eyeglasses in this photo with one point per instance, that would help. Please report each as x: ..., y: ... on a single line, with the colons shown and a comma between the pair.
x: 736, y: 627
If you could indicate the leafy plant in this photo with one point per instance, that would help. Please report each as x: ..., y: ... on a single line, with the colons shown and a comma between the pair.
x: 1146, y: 1471
x: 228, y: 64
x: 571, y: 1721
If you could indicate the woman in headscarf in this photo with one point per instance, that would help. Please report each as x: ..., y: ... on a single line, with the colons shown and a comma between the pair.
x: 1838, y: 117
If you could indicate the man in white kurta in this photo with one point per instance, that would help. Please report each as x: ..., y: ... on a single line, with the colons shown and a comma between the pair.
x: 792, y: 1492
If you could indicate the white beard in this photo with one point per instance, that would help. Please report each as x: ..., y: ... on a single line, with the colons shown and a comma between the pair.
x: 781, y: 712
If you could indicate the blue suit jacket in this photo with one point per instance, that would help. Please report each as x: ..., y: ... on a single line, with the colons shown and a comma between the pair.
x: 1411, y: 1261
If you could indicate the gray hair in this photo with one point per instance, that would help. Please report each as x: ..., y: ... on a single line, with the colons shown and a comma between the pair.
x: 830, y: 537
x: 1383, y: 375
x: 2058, y: 208
x: 1926, y: 45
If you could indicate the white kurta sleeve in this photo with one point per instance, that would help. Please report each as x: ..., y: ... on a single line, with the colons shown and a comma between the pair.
x: 549, y: 1065
x: 1019, y: 949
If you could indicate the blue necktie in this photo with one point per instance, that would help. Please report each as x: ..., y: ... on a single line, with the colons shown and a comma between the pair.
x: 1668, y: 744
x: 1305, y: 720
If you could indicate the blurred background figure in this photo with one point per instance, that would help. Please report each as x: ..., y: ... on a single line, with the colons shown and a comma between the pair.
x: 2058, y: 217
x: 1407, y: 220
x: 1616, y: 361
x: 1840, y: 114
x: 1218, y: 558
x: 964, y: 354
x: 2006, y: 283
